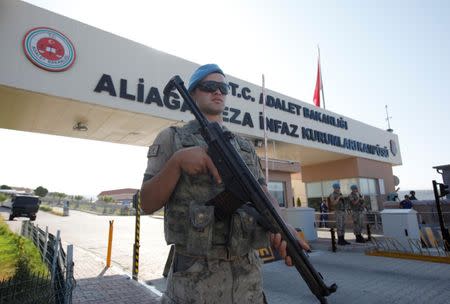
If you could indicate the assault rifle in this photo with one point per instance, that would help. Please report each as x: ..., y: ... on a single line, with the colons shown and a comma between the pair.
x: 241, y: 184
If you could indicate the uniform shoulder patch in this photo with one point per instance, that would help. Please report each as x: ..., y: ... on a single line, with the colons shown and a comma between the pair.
x: 153, y: 151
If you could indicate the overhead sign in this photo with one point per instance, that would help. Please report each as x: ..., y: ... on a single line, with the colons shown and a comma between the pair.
x: 49, y: 49
x: 292, y: 128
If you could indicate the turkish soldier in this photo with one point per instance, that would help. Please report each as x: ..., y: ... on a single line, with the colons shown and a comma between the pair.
x: 337, y: 204
x: 214, y: 260
x: 357, y: 206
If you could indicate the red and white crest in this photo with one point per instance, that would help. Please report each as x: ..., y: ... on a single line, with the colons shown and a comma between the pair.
x: 49, y: 49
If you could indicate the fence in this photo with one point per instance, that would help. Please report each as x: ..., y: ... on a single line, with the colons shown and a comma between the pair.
x: 54, y: 286
x: 328, y: 220
x: 425, y: 218
x: 101, y: 208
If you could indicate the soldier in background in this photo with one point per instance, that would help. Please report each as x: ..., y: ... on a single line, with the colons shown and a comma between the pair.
x: 357, y: 207
x: 337, y: 204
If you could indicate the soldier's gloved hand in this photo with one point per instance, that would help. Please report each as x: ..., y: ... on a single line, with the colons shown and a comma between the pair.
x: 195, y: 161
x: 280, y: 245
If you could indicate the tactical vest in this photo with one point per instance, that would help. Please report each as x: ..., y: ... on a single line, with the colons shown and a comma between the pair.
x: 359, y: 207
x: 190, y: 224
x: 340, y: 205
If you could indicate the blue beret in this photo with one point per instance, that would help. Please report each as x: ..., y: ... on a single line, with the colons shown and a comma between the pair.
x: 336, y: 186
x: 354, y: 187
x: 201, y: 73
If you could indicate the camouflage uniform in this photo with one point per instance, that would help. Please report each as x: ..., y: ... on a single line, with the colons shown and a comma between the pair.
x: 339, y: 211
x: 215, y: 261
x: 357, y: 211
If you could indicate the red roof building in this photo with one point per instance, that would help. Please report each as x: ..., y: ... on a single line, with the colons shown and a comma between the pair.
x: 119, y: 195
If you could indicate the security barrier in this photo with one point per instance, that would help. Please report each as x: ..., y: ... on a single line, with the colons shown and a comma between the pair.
x: 54, y: 286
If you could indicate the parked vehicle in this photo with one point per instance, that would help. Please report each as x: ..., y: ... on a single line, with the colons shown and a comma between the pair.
x: 23, y: 205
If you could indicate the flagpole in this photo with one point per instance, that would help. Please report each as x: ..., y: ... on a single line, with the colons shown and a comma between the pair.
x: 265, y: 129
x: 321, y: 82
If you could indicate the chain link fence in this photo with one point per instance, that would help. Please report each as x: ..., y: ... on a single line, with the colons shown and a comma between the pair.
x: 100, y: 208
x: 53, y: 286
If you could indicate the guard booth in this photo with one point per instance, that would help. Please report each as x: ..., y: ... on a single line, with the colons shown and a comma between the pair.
x: 401, y: 225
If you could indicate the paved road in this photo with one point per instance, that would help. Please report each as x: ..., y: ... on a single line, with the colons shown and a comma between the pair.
x: 90, y: 232
x: 361, y: 278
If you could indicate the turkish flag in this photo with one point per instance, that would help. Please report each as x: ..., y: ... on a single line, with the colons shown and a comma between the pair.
x: 316, y: 98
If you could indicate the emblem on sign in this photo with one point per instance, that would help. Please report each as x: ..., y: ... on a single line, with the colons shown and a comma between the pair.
x: 49, y: 49
x: 393, y: 147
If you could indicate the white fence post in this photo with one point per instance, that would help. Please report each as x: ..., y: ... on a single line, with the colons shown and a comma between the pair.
x: 69, y: 275
x: 31, y: 232
x: 22, y: 229
x: 36, y: 237
x: 55, y: 256
x: 44, y: 253
x: 25, y: 230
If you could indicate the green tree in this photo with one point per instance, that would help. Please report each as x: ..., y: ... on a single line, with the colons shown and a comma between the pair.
x: 5, y: 187
x: 40, y: 191
x: 77, y: 199
x: 59, y: 195
x: 107, y: 199
x: 3, y: 197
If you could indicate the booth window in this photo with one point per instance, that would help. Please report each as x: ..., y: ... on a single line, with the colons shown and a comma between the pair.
x: 317, y: 191
x: 278, y: 190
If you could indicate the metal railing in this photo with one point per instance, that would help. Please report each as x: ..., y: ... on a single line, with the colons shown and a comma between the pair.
x: 100, y: 208
x: 54, y: 286
x: 373, y: 218
x: 328, y: 220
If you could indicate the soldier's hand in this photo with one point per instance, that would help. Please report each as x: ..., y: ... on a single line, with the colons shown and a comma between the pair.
x: 281, y: 245
x: 195, y: 161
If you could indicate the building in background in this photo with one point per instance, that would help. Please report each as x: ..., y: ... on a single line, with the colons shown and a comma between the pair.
x: 60, y: 76
x: 120, y: 196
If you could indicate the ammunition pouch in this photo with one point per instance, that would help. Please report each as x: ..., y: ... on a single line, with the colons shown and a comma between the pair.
x: 246, y: 234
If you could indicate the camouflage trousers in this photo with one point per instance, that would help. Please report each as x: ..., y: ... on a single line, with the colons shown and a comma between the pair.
x: 340, y: 222
x: 358, y: 222
x: 198, y: 280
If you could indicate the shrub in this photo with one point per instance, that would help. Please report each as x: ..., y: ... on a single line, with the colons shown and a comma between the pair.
x: 45, y: 208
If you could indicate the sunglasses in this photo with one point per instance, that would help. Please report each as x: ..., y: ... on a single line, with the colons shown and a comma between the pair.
x: 212, y: 86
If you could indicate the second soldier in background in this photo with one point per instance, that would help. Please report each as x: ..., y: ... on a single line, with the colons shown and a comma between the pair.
x: 357, y: 206
x: 337, y: 204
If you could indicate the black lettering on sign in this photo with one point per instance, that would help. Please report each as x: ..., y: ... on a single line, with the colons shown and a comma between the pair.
x: 185, y: 107
x: 246, y: 93
x: 236, y: 113
x: 270, y: 101
x: 294, y: 129
x: 153, y: 96
x: 140, y: 90
x: 174, y: 103
x: 233, y: 87
x: 123, y: 90
x: 105, y: 84
x: 247, y: 120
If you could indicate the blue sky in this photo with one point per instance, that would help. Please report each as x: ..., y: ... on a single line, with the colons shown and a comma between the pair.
x: 393, y: 53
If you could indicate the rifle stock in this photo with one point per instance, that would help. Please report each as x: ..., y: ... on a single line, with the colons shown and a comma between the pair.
x: 239, y: 180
